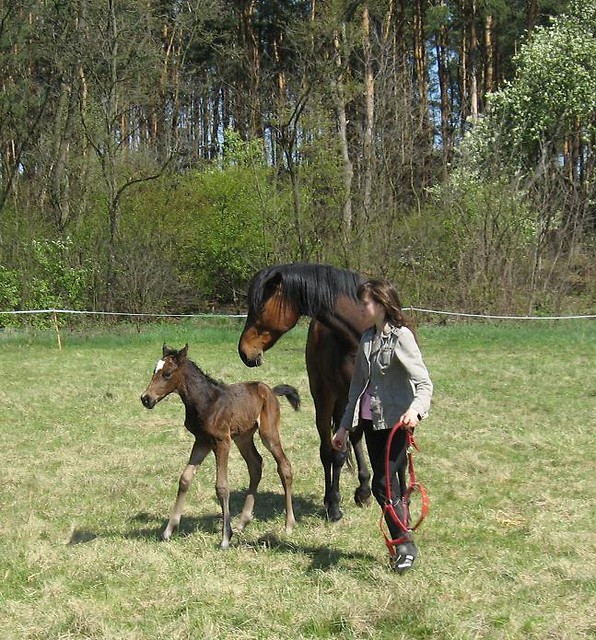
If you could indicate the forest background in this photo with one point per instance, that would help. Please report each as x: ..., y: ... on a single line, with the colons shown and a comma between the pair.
x: 155, y: 154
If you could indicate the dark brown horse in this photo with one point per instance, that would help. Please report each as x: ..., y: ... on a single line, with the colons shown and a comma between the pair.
x: 216, y: 414
x: 277, y: 297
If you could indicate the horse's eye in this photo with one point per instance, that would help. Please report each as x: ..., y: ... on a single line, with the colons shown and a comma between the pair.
x: 166, y: 376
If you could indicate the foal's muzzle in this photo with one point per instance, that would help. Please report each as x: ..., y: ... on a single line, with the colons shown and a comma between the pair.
x: 148, y: 401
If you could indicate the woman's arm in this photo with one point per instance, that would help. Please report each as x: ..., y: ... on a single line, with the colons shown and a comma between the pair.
x: 408, y: 353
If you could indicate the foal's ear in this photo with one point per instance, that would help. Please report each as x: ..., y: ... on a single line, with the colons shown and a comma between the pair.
x: 182, y: 353
x: 166, y: 351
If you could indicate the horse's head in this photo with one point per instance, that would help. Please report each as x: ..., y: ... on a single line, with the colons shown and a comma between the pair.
x: 270, y: 315
x: 166, y: 376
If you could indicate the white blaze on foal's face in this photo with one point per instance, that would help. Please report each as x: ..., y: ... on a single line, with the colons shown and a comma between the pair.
x: 159, y: 366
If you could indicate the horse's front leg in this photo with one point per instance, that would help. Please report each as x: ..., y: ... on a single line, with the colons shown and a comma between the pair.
x: 337, y: 460
x: 331, y: 459
x: 197, y: 455
x: 222, y: 452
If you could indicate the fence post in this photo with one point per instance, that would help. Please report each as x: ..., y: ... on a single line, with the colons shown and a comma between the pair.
x: 55, y: 319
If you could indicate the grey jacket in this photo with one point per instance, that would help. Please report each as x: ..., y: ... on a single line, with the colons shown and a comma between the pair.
x: 391, y: 366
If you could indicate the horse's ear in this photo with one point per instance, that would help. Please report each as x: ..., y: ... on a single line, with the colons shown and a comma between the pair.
x: 165, y: 350
x: 272, y: 283
x: 182, y: 353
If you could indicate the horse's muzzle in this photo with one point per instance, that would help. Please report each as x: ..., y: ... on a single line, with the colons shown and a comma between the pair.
x: 148, y: 401
x: 251, y: 362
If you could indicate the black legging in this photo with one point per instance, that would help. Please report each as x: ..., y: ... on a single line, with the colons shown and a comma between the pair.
x: 376, y: 443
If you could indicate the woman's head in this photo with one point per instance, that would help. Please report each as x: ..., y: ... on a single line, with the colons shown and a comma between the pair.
x: 383, y: 293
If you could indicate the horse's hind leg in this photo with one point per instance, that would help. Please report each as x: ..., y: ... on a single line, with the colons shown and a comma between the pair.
x: 254, y: 462
x: 197, y: 455
x: 269, y: 433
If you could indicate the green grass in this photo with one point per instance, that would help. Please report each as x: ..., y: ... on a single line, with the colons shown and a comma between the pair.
x: 89, y: 476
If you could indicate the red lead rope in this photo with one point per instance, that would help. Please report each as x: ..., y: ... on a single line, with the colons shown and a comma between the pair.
x: 413, y: 485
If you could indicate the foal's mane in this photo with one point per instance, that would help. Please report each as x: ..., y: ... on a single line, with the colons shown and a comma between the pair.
x: 311, y: 289
x: 196, y: 369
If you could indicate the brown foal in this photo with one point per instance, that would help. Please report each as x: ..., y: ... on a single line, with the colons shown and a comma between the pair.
x: 217, y: 414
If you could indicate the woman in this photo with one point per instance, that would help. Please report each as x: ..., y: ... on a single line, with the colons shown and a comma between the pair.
x: 390, y: 384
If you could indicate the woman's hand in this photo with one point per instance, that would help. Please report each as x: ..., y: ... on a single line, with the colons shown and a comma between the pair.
x: 409, y: 419
x: 338, y: 442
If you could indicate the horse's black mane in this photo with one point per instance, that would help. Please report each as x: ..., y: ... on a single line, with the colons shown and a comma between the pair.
x: 311, y: 289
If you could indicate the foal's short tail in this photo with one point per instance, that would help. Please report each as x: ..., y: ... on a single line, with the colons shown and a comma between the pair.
x: 291, y: 393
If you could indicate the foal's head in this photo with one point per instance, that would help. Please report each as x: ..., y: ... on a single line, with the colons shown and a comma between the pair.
x: 166, y: 377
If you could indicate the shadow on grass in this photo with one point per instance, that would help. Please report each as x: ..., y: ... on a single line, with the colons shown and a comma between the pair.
x: 322, y: 557
x: 269, y: 506
x: 148, y: 526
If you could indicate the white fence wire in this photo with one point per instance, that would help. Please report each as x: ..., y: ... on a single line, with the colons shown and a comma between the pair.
x: 243, y: 315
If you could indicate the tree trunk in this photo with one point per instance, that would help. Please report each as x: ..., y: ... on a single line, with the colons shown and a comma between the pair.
x: 425, y: 129
x: 369, y: 99
x: 443, y: 75
x: 489, y: 53
x: 253, y: 69
x: 342, y: 130
x: 473, y: 65
x: 531, y: 15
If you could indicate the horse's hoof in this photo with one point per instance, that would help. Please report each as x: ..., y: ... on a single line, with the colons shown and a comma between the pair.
x: 362, y: 497
x: 165, y: 536
x: 334, y: 514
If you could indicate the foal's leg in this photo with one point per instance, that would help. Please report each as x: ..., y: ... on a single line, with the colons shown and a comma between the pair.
x: 254, y: 462
x: 269, y: 433
x: 197, y: 455
x: 222, y: 453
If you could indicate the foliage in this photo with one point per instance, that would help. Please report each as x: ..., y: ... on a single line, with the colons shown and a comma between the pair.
x: 203, y: 238
x: 54, y: 278
x: 470, y: 257
x: 553, y: 92
x: 9, y: 289
x: 301, y: 130
x: 232, y: 232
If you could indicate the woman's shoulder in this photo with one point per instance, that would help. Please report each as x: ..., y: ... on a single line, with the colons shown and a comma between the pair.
x: 402, y: 331
x: 404, y: 337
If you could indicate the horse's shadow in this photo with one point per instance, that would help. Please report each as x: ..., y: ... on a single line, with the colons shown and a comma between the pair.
x: 268, y: 507
x: 322, y: 557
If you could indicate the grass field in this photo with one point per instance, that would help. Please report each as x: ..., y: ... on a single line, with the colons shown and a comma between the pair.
x: 89, y: 476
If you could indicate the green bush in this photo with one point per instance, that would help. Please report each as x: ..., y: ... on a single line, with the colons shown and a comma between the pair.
x: 471, y: 248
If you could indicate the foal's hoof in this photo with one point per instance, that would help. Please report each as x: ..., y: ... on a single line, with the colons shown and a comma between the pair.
x: 289, y: 529
x: 166, y: 535
x: 362, y: 497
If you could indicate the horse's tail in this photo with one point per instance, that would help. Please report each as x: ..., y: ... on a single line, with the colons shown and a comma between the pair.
x: 289, y: 392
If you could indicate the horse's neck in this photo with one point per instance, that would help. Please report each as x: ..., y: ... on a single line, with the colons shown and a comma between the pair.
x: 346, y: 319
x: 196, y: 391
